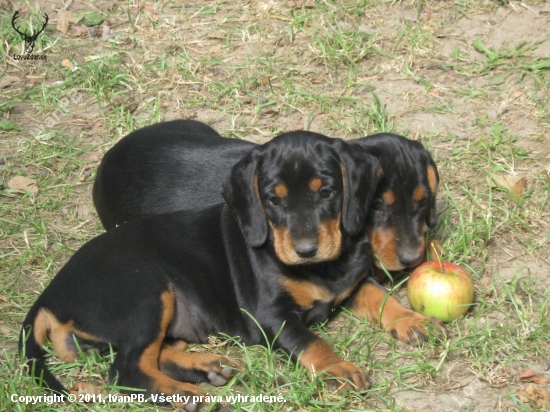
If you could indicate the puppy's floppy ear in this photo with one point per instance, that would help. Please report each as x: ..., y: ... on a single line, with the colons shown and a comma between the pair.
x: 433, y: 180
x: 240, y: 192
x: 361, y: 173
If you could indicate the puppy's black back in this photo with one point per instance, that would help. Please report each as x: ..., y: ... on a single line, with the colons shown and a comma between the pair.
x: 163, y: 168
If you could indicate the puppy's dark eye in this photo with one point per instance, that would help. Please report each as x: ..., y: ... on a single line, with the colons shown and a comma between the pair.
x: 274, y: 200
x: 326, y: 193
x: 377, y: 204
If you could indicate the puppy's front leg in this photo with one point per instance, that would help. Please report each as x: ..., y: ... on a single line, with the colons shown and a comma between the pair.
x: 373, y: 302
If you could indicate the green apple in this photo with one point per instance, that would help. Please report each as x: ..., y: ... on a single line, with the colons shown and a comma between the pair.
x: 440, y: 289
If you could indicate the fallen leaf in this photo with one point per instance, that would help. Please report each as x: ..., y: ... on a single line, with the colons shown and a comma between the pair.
x: 64, y: 19
x: 5, y: 331
x: 23, y: 184
x: 216, y: 48
x: 8, y: 81
x: 86, y: 388
x: 539, y: 396
x: 530, y: 376
x: 106, y: 6
x: 67, y: 63
x: 79, y: 31
x: 516, y: 94
x: 514, y: 184
x: 3, y: 299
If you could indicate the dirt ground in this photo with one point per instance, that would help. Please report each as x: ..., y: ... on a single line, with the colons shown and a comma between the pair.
x: 470, y: 79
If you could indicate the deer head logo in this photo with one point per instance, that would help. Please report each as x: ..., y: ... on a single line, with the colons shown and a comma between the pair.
x: 27, y: 38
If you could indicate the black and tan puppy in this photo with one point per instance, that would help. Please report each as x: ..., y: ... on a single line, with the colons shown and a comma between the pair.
x: 180, y: 165
x: 404, y: 201
x: 287, y: 247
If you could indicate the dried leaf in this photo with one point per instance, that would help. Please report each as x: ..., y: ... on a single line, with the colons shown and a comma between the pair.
x: 216, y: 48
x: 522, y: 397
x: 539, y: 396
x: 86, y: 388
x: 106, y: 6
x: 23, y: 184
x: 64, y: 19
x: 67, y: 63
x: 3, y: 299
x: 530, y: 376
x: 514, y: 184
x: 517, y: 94
x: 8, y: 81
x: 79, y: 31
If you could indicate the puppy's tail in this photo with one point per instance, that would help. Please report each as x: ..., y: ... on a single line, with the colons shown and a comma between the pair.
x: 31, y: 339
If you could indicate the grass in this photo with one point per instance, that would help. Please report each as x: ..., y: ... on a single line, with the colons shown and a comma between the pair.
x: 478, y: 100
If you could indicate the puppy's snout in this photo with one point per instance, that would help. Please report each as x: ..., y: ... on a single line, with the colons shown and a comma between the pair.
x: 306, y: 248
x: 408, y: 257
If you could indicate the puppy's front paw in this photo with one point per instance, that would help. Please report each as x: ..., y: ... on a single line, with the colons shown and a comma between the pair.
x: 347, y: 376
x: 412, y: 328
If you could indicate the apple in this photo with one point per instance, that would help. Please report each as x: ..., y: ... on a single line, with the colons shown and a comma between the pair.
x: 440, y: 289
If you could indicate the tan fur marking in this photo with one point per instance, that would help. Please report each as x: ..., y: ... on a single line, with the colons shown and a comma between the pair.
x: 315, y: 184
x: 318, y: 355
x: 149, y: 360
x: 177, y: 345
x: 388, y: 197
x: 281, y: 190
x: 432, y: 179
x: 46, y: 326
x: 418, y: 193
x: 370, y: 298
x: 368, y: 301
x: 201, y: 361
x: 384, y: 245
x: 329, y: 237
x: 306, y: 293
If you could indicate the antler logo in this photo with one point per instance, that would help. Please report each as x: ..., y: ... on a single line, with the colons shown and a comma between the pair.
x: 27, y: 38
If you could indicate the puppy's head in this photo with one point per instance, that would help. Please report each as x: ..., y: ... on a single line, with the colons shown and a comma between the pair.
x: 404, y: 201
x: 303, y: 191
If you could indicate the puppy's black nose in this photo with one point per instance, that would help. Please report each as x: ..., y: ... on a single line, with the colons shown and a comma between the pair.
x: 306, y: 248
x: 408, y: 257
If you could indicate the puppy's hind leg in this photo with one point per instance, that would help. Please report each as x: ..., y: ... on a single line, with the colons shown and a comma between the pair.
x: 137, y: 362
x: 197, y: 367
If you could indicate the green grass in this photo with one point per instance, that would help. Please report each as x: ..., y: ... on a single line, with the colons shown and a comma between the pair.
x: 255, y: 69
